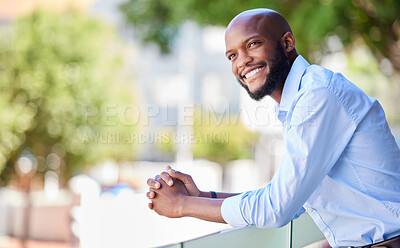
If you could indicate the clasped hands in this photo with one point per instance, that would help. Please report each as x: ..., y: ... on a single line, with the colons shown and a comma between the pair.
x: 168, y: 192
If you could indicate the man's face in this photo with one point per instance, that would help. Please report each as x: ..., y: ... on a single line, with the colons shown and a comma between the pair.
x: 258, y: 59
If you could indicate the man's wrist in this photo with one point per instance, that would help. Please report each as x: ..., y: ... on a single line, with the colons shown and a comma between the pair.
x: 205, y: 194
x: 182, y: 207
x: 201, y: 207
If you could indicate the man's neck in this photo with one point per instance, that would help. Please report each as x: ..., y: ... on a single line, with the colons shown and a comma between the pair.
x: 277, y: 93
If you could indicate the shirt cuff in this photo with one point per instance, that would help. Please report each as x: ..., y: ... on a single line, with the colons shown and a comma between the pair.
x: 231, y: 211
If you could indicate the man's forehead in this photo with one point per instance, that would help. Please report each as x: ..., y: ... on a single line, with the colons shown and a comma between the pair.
x: 250, y: 22
x: 242, y: 28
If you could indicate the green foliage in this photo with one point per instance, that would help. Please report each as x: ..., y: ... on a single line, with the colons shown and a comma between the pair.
x: 166, y: 143
x: 375, y: 22
x: 58, y: 93
x: 216, y: 137
x: 221, y: 138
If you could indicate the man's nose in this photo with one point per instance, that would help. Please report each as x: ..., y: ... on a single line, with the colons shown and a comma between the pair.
x: 243, y: 60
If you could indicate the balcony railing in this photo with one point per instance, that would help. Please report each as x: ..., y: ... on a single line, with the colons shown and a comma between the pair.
x: 296, y: 234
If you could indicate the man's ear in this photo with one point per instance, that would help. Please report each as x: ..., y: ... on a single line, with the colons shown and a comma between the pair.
x: 288, y: 42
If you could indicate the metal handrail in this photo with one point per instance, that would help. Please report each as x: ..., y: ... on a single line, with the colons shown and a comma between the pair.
x: 296, y: 234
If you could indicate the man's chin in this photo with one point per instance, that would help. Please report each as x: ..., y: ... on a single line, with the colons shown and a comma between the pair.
x: 254, y: 90
x: 257, y: 97
x: 263, y: 91
x: 256, y: 94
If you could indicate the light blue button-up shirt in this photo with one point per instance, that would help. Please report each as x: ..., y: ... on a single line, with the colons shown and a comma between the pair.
x: 341, y: 165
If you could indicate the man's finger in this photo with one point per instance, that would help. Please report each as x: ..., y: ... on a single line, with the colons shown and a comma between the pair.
x: 185, y: 178
x: 171, y: 171
x: 153, y: 183
x: 161, y: 182
x: 167, y: 178
x: 150, y: 194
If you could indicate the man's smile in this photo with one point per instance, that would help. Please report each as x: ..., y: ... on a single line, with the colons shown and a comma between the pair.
x: 250, y: 73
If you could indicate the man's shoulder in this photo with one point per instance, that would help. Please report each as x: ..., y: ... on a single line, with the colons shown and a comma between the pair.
x: 319, y: 79
x: 316, y: 76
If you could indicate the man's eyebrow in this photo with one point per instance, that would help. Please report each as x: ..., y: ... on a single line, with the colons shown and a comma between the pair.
x: 252, y: 37
x: 226, y: 53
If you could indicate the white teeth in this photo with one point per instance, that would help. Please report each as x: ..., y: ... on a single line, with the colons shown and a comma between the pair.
x: 250, y: 74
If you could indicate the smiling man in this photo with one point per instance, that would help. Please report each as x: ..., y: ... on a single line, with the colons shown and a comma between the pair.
x: 341, y: 164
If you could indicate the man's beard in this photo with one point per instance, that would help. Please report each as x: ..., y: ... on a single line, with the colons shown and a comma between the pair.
x: 278, y: 69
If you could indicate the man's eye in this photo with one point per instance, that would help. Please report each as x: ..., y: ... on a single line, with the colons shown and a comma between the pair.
x: 231, y: 56
x: 253, y: 43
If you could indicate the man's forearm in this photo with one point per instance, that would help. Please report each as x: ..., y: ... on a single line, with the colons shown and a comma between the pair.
x: 219, y: 194
x: 203, y: 208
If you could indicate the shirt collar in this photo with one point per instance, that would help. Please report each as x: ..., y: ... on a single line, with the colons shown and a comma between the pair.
x: 292, y: 83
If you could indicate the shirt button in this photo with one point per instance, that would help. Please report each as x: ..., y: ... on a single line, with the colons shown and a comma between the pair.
x: 309, y: 210
x: 327, y: 234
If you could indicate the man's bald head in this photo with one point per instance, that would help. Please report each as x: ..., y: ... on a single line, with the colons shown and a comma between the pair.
x: 273, y: 24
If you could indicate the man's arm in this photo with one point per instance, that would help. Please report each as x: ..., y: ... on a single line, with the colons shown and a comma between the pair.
x: 221, y: 195
x: 203, y: 208
x: 319, y: 131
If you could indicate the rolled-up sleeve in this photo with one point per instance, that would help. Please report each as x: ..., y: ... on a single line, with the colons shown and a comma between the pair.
x: 231, y: 211
x: 318, y: 131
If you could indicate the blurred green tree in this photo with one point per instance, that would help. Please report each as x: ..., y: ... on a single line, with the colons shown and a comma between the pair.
x: 221, y: 138
x: 60, y: 99
x: 375, y: 22
x: 217, y: 137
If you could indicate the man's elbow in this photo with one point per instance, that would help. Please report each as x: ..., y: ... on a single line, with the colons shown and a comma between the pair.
x: 276, y: 221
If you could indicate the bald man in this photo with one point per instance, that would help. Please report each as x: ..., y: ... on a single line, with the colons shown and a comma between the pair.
x: 341, y: 164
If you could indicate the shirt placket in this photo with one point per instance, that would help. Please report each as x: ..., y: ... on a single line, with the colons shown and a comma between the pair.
x: 325, y: 229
